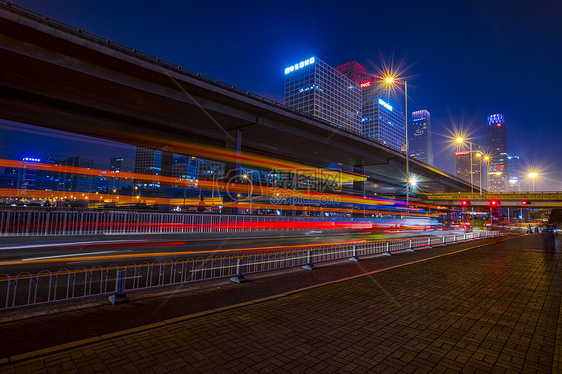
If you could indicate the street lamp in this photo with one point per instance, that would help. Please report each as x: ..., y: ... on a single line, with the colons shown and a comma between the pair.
x: 487, y: 160
x: 390, y: 80
x: 461, y: 140
x: 533, y: 175
x: 479, y: 155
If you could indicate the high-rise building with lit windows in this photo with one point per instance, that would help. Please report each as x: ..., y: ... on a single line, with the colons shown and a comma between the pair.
x: 421, y: 142
x: 314, y: 87
x: 496, y: 147
x: 513, y: 183
x: 381, y: 106
x: 463, y: 169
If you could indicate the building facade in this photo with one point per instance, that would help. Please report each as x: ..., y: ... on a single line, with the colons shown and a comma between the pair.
x: 463, y: 169
x: 185, y: 167
x: 122, y: 165
x: 74, y: 182
x: 315, y: 88
x: 421, y: 140
x: 496, y: 147
x: 513, y: 183
x: 381, y: 106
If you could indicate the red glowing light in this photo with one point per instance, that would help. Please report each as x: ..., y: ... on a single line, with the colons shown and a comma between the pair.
x: 366, y: 84
x: 499, y: 124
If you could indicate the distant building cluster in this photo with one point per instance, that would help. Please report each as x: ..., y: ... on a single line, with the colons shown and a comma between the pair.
x: 501, y: 169
x: 349, y: 98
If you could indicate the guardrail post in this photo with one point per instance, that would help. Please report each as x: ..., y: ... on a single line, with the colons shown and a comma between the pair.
x: 119, y: 296
x: 387, y: 253
x: 444, y: 241
x: 429, y: 242
x: 354, y: 255
x: 239, y: 277
x: 410, y: 248
x: 309, y: 265
x: 454, y: 239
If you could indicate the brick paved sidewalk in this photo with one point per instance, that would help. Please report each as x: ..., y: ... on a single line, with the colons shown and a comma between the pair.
x: 488, y: 309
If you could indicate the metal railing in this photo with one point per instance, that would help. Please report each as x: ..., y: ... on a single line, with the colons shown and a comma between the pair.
x: 47, y: 287
x: 64, y: 223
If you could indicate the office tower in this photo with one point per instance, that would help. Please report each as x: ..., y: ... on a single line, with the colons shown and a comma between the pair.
x: 421, y: 142
x: 152, y: 162
x: 315, y: 88
x: 29, y: 173
x: 383, y: 119
x: 121, y: 165
x: 462, y: 163
x: 10, y: 178
x: 381, y: 106
x: 496, y: 145
x: 352, y: 70
x: 210, y: 170
x: 75, y: 182
x: 513, y: 181
x: 185, y: 167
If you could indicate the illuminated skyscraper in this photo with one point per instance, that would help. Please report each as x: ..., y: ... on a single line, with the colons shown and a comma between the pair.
x: 315, y: 88
x: 496, y: 145
x: 462, y: 163
x: 421, y: 142
x: 513, y: 181
x: 152, y: 162
x: 382, y: 116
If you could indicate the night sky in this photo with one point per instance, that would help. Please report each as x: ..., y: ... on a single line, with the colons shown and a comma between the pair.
x: 465, y: 60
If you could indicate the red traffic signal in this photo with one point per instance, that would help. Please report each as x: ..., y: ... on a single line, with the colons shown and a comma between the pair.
x: 465, y: 203
x: 494, y: 203
x: 525, y: 202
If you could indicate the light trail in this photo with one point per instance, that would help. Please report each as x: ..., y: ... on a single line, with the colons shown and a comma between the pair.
x: 178, y: 253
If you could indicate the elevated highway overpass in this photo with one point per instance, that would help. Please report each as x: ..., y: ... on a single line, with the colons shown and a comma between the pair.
x: 62, y: 77
x: 527, y: 200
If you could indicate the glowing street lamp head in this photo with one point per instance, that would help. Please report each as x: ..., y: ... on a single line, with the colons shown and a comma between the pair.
x: 413, y: 182
x: 459, y: 140
x: 486, y: 158
x: 533, y: 175
x: 479, y: 154
x: 389, y: 80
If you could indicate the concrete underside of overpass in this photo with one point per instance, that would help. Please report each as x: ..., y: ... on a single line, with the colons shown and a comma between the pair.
x: 67, y: 81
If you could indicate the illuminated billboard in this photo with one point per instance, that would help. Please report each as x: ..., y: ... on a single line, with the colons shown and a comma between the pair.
x: 300, y: 65
x: 385, y: 104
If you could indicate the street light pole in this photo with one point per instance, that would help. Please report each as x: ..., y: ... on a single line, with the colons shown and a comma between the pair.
x: 407, y: 149
x: 471, y: 173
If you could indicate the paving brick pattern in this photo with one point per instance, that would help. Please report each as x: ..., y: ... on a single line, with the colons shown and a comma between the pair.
x: 494, y: 309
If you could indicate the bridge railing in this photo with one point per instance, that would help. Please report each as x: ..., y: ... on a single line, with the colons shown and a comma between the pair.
x: 47, y: 287
x: 63, y: 223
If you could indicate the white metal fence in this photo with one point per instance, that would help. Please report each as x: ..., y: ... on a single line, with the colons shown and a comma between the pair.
x: 26, y: 289
x: 43, y: 223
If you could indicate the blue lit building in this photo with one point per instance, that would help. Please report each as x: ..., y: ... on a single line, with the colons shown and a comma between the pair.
x: 421, y: 141
x: 496, y: 147
x: 315, y: 88
x: 513, y: 181
x: 381, y: 107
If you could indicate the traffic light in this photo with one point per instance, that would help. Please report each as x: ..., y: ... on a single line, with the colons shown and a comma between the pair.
x: 494, y: 203
x: 525, y: 202
x: 465, y: 203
